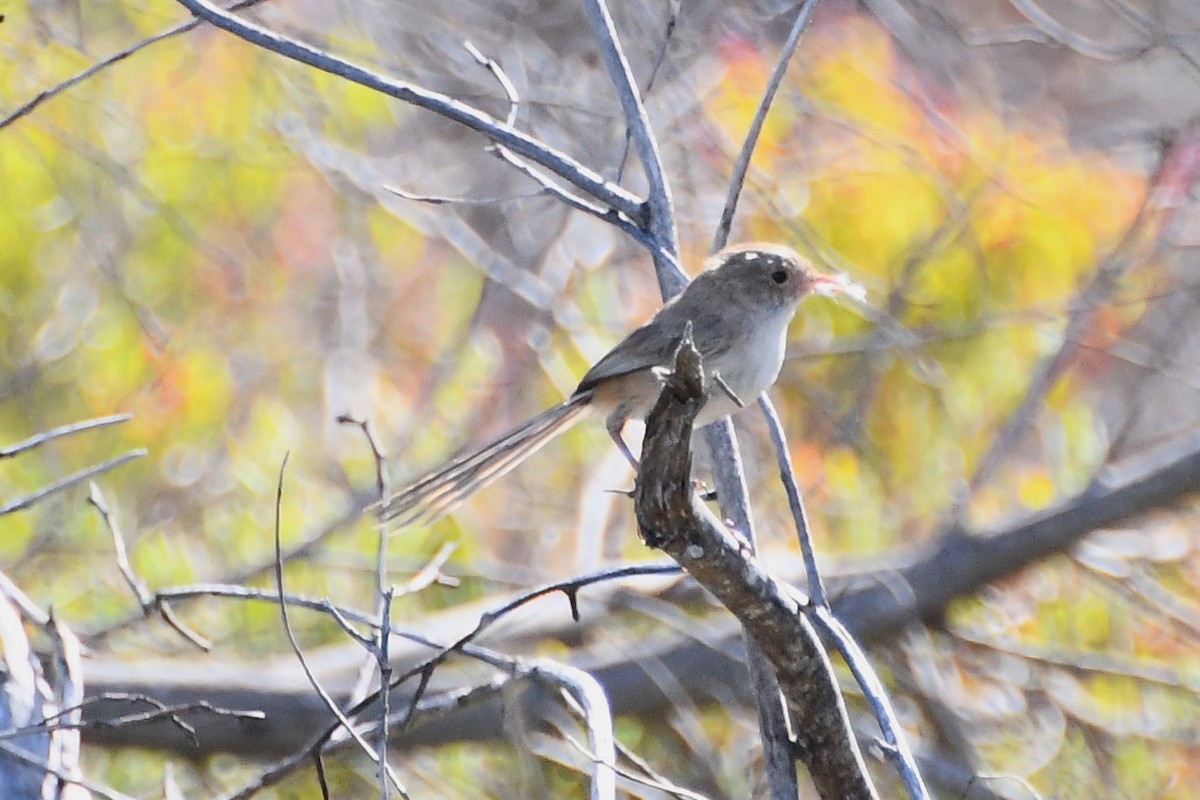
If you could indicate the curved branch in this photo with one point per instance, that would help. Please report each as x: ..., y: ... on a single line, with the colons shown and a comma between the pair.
x: 670, y: 517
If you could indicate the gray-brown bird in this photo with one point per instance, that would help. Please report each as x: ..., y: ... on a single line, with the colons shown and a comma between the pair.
x: 739, y: 307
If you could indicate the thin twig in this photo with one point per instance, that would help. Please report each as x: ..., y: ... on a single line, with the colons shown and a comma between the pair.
x: 569, y: 587
x: 783, y: 458
x: 438, y: 199
x: 385, y: 697
x: 146, y: 599
x: 548, y: 184
x: 742, y: 164
x: 159, y: 710
x: 673, y: 7
x: 63, y: 775
x: 342, y: 719
x: 69, y: 481
x: 383, y: 594
x: 877, y: 698
x: 510, y: 89
x: 379, y: 648
x: 378, y: 659
x: 381, y: 474
x: 431, y: 573
x: 104, y: 63
x: 39, y: 439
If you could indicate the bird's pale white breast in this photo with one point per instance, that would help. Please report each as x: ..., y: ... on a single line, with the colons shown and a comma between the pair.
x: 748, y: 369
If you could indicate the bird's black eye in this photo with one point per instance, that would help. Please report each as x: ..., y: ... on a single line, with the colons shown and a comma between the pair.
x: 780, y: 276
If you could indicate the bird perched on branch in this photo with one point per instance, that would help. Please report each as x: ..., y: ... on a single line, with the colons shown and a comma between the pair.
x: 739, y: 308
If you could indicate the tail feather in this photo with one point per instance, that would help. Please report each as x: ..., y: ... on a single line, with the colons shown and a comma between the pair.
x: 441, y: 491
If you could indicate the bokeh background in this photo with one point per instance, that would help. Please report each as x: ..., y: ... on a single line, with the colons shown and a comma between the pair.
x: 236, y: 249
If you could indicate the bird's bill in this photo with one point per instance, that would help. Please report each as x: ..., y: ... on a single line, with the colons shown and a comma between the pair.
x: 833, y: 285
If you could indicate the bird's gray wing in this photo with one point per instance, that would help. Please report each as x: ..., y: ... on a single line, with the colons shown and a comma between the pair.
x: 643, y: 348
x: 653, y: 344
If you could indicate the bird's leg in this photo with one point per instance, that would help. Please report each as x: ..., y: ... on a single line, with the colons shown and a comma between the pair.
x: 615, y: 424
x: 727, y: 390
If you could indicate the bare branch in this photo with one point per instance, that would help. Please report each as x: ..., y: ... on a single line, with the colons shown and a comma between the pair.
x: 69, y: 481
x: 742, y: 164
x: 787, y: 476
x: 549, y: 186
x: 329, y: 702
x: 661, y: 223
x: 104, y: 63
x: 670, y: 517
x: 146, y: 599
x: 383, y: 657
x: 556, y: 161
x: 40, y: 439
x: 63, y: 775
x: 877, y: 697
x: 588, y: 695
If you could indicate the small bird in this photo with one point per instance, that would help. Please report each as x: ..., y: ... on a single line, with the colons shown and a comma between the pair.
x: 739, y: 307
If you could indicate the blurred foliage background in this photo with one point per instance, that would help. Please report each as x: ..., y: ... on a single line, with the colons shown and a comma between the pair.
x: 203, y: 235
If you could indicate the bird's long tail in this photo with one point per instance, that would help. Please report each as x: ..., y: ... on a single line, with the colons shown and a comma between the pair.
x: 440, y: 491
